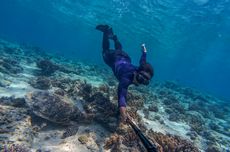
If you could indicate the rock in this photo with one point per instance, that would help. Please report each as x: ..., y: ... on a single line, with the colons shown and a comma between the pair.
x: 146, y: 112
x: 192, y: 134
x: 194, y: 106
x: 70, y: 131
x: 15, y: 126
x: 209, y: 136
x: 41, y: 82
x: 153, y: 108
x: 162, y: 121
x: 9, y: 66
x: 219, y: 112
x: 85, y: 91
x: 12, y: 101
x: 66, y: 84
x: 169, y: 111
x: 214, y: 126
x: 171, y: 99
x: 59, y: 92
x: 213, y: 148
x: 175, y: 117
x: 104, y: 88
x: 157, y: 117
x: 16, y: 148
x: 47, y: 67
x: 83, y: 139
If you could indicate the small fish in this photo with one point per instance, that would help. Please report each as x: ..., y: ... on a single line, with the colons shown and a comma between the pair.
x: 72, y: 130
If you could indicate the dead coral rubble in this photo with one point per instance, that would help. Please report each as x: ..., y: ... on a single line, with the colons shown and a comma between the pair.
x: 47, y: 67
x: 41, y: 82
x: 70, y: 131
x: 12, y: 101
x: 16, y: 148
x: 135, y: 100
x: 153, y: 108
x: 196, y: 121
x: 15, y: 127
x: 9, y: 66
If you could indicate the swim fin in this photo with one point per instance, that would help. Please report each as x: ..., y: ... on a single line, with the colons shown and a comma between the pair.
x: 102, y: 28
x: 105, y: 29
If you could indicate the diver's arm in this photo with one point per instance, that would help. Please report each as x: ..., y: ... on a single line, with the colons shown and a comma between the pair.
x: 143, y: 56
x: 122, y: 93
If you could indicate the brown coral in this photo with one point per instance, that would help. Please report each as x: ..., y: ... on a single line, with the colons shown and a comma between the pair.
x: 170, y: 143
x: 114, y: 139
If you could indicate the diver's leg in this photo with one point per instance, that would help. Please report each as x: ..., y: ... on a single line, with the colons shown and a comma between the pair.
x: 107, y: 34
x: 105, y: 43
x: 106, y: 51
x: 117, y: 43
x: 118, y: 48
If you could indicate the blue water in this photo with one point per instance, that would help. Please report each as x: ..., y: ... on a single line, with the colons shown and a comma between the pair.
x: 188, y: 40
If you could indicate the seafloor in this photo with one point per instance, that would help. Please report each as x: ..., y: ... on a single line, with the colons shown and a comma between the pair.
x: 51, y: 104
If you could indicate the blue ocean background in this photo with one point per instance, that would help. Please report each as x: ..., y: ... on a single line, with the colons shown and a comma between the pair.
x: 188, y: 40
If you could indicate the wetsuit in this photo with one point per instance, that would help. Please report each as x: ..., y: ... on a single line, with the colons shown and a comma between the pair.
x: 121, y: 65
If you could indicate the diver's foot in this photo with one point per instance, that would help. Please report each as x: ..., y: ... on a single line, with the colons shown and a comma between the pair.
x: 105, y: 29
x: 102, y: 28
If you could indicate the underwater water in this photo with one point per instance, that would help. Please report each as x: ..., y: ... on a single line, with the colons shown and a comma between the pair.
x: 52, y: 74
x: 188, y: 41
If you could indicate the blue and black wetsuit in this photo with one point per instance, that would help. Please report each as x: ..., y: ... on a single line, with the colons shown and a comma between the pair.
x: 121, y: 65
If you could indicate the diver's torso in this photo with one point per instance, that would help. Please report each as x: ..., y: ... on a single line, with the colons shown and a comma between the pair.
x: 123, y: 68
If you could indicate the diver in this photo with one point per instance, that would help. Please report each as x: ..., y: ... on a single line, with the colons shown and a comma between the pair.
x: 125, y: 72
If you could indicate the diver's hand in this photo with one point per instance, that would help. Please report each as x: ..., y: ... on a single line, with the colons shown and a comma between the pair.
x: 123, y: 114
x: 143, y: 48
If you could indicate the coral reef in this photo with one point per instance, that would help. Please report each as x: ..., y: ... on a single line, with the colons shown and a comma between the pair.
x: 72, y: 106
x: 172, y: 143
